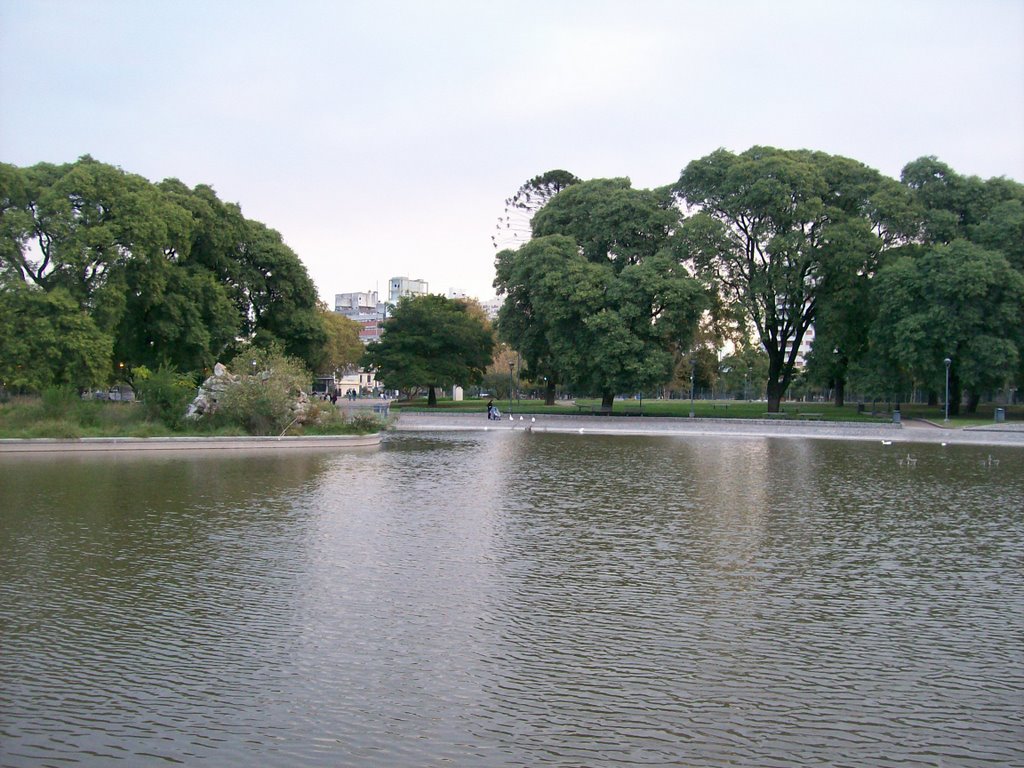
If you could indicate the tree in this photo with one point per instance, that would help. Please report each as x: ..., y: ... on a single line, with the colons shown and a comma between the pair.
x: 431, y: 341
x: 281, y: 299
x: 514, y: 229
x: 852, y: 258
x: 596, y: 298
x: 48, y: 340
x: 957, y: 301
x: 343, y: 349
x: 174, y: 275
x: 514, y: 226
x: 174, y: 315
x: 770, y: 229
x: 954, y: 207
x: 744, y: 372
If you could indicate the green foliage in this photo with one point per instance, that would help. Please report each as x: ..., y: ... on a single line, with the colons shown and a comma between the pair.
x: 775, y: 228
x: 958, y: 301
x: 165, y: 273
x: 164, y: 395
x: 596, y: 299
x: 431, y: 341
x: 57, y: 401
x: 343, y: 348
x: 262, y: 401
x: 48, y: 340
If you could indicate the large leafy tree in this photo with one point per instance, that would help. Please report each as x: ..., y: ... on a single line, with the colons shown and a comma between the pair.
x: 596, y: 298
x: 431, y: 341
x: 952, y: 207
x: 514, y: 230
x: 958, y: 301
x: 853, y: 252
x: 771, y: 229
x: 174, y: 315
x: 173, y: 275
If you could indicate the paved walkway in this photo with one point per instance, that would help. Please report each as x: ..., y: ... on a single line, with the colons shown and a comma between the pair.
x: 907, y: 432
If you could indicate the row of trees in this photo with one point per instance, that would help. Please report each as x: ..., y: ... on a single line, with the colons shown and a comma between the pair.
x: 615, y: 289
x: 622, y: 290
x: 103, y: 272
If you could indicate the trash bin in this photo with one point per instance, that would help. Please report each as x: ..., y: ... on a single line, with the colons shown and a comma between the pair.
x: 1000, y: 415
x: 895, y: 417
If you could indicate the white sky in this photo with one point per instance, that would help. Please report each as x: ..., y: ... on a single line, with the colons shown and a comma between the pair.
x: 381, y: 138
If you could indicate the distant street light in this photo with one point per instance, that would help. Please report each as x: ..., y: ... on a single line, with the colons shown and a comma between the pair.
x: 948, y: 362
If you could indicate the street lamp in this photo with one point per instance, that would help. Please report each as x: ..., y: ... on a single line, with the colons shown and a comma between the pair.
x: 948, y: 362
x: 511, y: 365
x: 693, y: 373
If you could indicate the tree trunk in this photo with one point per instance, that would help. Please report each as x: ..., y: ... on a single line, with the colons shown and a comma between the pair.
x: 774, y: 394
x: 840, y: 394
x: 549, y: 394
x: 933, y: 398
x: 432, y: 397
x: 607, y: 399
x: 973, y: 399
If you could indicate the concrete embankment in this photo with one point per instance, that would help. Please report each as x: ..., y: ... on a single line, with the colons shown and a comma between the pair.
x: 682, y: 427
x: 129, y: 445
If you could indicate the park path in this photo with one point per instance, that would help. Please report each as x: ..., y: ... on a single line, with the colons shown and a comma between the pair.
x: 708, y: 428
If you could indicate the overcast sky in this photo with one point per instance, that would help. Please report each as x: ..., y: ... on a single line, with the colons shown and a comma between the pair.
x: 382, y: 138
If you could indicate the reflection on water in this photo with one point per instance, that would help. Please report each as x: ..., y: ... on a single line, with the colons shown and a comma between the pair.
x: 516, y: 599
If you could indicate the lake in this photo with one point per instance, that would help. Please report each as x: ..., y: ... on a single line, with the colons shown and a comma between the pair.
x: 516, y: 599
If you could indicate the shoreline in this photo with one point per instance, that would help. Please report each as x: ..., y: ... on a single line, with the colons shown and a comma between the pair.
x: 906, y: 432
x: 171, y: 444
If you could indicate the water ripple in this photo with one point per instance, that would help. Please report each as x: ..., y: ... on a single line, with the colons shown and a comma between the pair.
x: 510, y: 599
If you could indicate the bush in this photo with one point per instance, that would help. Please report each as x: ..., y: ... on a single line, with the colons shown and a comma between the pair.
x: 57, y: 401
x: 164, y: 395
x: 262, y: 402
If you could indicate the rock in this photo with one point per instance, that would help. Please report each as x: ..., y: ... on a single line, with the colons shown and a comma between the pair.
x: 209, y: 392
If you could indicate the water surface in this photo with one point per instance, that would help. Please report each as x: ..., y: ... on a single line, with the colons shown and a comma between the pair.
x: 505, y: 599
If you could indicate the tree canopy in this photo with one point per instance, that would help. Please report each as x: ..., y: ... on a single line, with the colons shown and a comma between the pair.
x: 166, y: 274
x: 433, y: 342
x: 596, y: 298
x: 771, y: 229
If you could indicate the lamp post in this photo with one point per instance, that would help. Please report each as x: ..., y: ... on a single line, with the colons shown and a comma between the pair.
x: 693, y: 373
x: 511, y: 365
x: 948, y: 362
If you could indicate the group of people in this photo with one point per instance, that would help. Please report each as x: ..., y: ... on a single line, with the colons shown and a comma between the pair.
x: 335, y: 394
x: 492, y: 411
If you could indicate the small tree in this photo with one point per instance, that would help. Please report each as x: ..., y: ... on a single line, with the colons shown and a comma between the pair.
x: 431, y: 341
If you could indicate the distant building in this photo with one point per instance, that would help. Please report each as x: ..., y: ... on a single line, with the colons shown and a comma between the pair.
x: 356, y: 303
x: 404, y: 286
x: 366, y: 309
x: 491, y: 307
